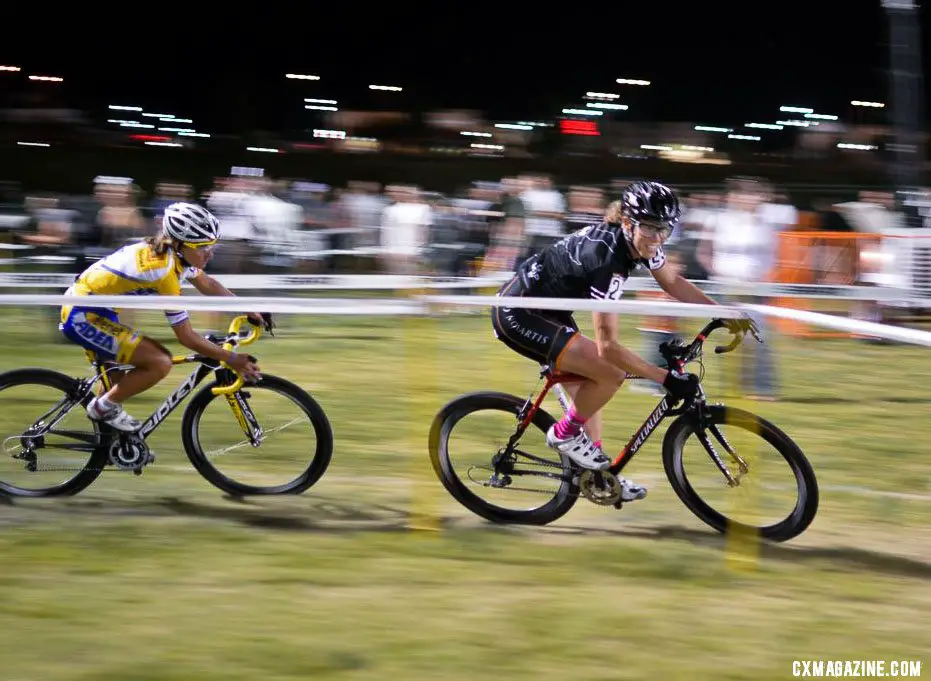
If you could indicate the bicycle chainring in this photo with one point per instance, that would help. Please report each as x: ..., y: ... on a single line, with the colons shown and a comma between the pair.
x: 129, y: 452
x: 600, y: 487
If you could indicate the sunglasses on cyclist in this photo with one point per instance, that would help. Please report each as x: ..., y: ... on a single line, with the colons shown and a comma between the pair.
x: 206, y: 249
x: 654, y: 229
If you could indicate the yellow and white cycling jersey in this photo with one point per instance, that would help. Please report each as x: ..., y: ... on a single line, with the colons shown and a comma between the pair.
x: 134, y: 270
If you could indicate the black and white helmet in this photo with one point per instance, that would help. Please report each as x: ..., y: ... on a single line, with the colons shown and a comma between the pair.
x: 643, y: 201
x: 190, y: 223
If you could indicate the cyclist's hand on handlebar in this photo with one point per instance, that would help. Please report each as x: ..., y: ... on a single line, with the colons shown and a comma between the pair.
x: 245, y: 366
x: 681, y: 386
x: 741, y: 327
x: 263, y: 319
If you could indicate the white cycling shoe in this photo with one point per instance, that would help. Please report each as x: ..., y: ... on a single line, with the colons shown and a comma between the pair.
x: 116, y: 417
x: 581, y: 450
x: 631, y: 491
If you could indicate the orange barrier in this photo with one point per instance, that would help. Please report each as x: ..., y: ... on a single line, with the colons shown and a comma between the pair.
x: 812, y: 257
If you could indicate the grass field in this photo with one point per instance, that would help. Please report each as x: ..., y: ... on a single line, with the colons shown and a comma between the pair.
x: 162, y: 578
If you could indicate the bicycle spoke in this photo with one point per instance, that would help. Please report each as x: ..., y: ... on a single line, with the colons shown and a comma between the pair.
x: 244, y: 443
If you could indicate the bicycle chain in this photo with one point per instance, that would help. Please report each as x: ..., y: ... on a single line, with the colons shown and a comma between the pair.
x: 520, y: 489
x: 57, y: 469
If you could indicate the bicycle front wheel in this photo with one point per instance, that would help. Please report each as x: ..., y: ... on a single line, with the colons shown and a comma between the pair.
x: 773, y: 490
x: 268, y: 438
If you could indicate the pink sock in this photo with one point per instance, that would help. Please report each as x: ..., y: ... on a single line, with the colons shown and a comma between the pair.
x: 598, y: 444
x: 569, y: 425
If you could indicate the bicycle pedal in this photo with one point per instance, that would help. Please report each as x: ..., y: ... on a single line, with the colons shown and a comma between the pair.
x: 150, y: 459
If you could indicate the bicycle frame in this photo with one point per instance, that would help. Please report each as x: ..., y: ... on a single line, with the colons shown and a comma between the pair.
x: 241, y: 409
x: 659, y: 413
x: 176, y: 398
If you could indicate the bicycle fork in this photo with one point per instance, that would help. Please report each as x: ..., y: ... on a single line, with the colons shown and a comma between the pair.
x: 242, y: 411
x: 732, y: 480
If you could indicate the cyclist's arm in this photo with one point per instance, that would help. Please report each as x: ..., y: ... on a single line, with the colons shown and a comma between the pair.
x: 608, y: 347
x: 192, y: 340
x: 208, y: 286
x: 679, y: 287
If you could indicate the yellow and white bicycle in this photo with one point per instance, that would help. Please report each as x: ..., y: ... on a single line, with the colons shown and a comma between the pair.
x: 238, y: 443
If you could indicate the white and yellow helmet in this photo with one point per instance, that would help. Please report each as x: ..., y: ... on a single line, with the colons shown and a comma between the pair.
x: 190, y: 223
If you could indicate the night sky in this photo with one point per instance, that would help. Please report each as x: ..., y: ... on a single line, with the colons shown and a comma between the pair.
x: 709, y: 62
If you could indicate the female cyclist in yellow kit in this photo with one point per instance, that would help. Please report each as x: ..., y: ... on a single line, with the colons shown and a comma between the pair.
x: 156, y: 266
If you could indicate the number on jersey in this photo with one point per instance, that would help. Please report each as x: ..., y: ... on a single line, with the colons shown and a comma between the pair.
x: 615, y: 288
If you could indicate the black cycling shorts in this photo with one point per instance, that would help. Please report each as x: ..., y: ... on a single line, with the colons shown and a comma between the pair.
x: 540, y: 335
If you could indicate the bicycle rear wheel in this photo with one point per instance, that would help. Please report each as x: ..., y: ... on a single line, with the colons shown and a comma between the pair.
x: 291, y: 427
x: 38, y: 461
x: 522, y: 476
x: 760, y: 447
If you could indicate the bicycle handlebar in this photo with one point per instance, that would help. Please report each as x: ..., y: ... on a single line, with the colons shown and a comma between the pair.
x: 683, y: 354
x: 720, y: 349
x: 710, y: 328
x: 233, y: 340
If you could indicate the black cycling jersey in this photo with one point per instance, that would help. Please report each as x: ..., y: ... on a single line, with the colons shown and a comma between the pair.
x: 593, y: 262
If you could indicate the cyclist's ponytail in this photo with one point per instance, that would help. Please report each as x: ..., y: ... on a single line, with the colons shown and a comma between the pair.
x: 614, y: 213
x: 160, y: 244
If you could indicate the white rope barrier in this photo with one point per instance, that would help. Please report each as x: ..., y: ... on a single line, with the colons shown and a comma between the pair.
x: 644, y: 307
x: 855, y: 326
x: 417, y: 305
x: 427, y: 304
x: 283, y: 282
x: 378, y: 282
x: 278, y: 305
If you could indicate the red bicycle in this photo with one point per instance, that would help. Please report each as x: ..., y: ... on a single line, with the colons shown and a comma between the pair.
x: 512, y: 472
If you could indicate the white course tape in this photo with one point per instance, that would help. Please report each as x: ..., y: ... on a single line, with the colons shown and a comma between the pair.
x: 856, y: 326
x: 646, y: 307
x: 320, y: 306
x: 361, y: 306
x: 421, y: 305
x: 283, y: 282
x: 378, y: 282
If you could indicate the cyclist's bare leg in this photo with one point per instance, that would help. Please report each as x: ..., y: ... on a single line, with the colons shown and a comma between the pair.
x: 594, y: 424
x: 151, y: 362
x: 581, y: 357
x: 604, y: 378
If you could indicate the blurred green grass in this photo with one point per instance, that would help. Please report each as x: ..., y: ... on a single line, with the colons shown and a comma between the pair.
x: 161, y: 577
